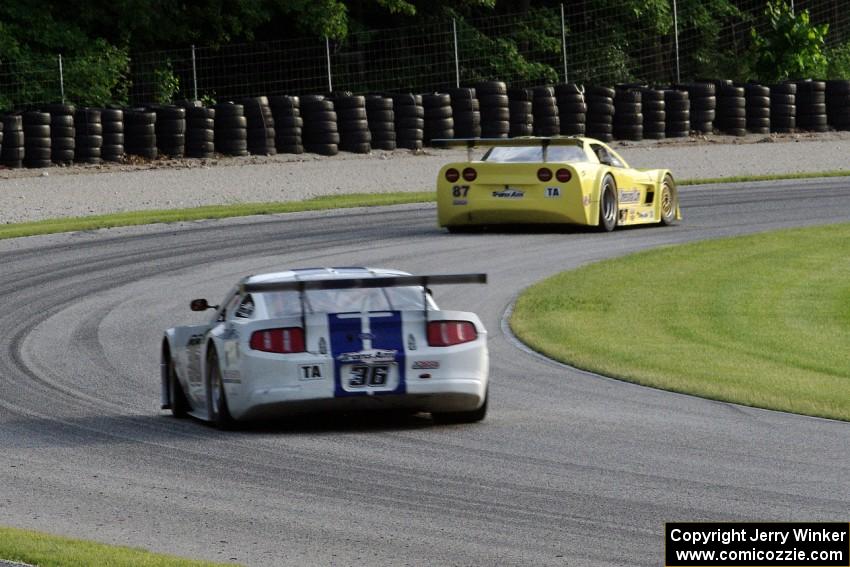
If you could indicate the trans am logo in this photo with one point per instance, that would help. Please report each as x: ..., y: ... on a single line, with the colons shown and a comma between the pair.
x: 369, y: 356
x: 509, y: 193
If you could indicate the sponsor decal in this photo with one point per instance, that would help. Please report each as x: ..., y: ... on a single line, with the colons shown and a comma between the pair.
x: 231, y: 377
x: 310, y: 372
x: 368, y: 357
x: 509, y: 193
x: 630, y: 196
x: 623, y: 214
x: 585, y: 200
x: 426, y: 364
x: 460, y: 202
x: 553, y: 192
x: 647, y: 215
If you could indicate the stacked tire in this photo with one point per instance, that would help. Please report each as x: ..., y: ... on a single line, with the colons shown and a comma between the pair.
x: 288, y: 124
x: 200, y: 132
x: 811, y: 106
x: 600, y: 112
x: 837, y: 104
x: 546, y: 119
x: 466, y: 112
x: 260, y: 126
x: 88, y: 136
x: 521, y: 110
x: 170, y: 130
x: 112, y: 122
x: 381, y: 119
x: 61, y: 133
x: 231, y: 129
x: 703, y: 106
x: 1, y: 137
x: 731, y: 110
x: 654, y: 110
x: 572, y: 109
x: 37, y: 139
x: 757, y: 108
x: 495, y: 111
x: 677, y: 109
x: 140, y: 132
x: 628, y: 114
x: 783, y: 107
x: 12, y: 151
x: 439, y: 122
x: 320, y: 132
x: 353, y: 124
x: 409, y: 121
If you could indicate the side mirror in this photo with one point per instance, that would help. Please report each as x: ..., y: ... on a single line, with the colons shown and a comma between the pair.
x: 199, y: 305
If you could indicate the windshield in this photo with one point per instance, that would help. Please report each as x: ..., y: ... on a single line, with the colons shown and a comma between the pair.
x: 285, y: 303
x: 535, y: 154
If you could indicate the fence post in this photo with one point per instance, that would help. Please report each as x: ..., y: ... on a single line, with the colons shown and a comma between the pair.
x: 61, y: 80
x: 676, y: 39
x: 457, y: 63
x: 194, y: 73
x: 564, y: 44
x: 328, y: 53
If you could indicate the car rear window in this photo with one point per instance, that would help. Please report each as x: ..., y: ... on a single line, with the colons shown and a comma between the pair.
x: 535, y: 154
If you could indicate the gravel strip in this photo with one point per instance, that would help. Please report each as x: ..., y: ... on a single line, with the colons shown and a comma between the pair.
x: 27, y: 195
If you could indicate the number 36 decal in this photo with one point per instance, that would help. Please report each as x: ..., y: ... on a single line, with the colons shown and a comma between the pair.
x: 369, y: 376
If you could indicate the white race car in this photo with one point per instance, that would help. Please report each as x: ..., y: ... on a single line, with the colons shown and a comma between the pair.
x: 328, y: 338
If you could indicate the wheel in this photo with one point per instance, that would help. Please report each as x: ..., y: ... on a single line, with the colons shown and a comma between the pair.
x: 216, y: 397
x: 462, y: 416
x: 669, y: 201
x: 608, y: 205
x: 179, y: 403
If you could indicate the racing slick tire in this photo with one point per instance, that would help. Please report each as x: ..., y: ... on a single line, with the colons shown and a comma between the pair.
x: 216, y: 398
x: 669, y: 201
x: 179, y: 403
x: 472, y: 416
x: 608, y: 206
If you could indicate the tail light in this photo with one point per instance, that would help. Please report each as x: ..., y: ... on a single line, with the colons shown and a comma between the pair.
x: 469, y: 174
x: 448, y: 333
x: 563, y: 175
x: 281, y: 341
x: 452, y: 175
x: 544, y: 174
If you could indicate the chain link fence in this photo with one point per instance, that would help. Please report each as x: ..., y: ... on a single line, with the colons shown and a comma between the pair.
x: 583, y: 41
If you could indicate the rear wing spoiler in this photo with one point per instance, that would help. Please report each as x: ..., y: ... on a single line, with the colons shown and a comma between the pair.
x: 472, y: 143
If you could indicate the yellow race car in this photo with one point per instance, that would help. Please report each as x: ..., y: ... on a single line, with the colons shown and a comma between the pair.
x: 551, y: 181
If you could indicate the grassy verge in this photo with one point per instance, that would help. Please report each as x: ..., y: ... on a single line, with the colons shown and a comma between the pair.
x: 44, y: 550
x: 73, y: 224
x: 759, y: 320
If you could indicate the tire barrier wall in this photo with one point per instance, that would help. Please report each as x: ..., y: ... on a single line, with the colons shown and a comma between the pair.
x: 260, y: 126
x: 37, y: 147
x: 112, y: 123
x: 654, y: 110
x: 600, y: 112
x: 62, y: 132
x: 547, y: 121
x: 170, y: 130
x: 353, y: 124
x: 230, y: 129
x: 381, y: 119
x: 572, y: 109
x: 409, y: 121
x: 495, y: 110
x: 286, y: 111
x: 439, y: 120
x: 783, y: 107
x: 677, y: 110
x: 466, y: 112
x: 12, y: 151
x: 757, y: 98
x: 838, y: 104
x: 320, y: 133
x: 140, y: 133
x: 811, y: 106
x: 200, y: 132
x: 628, y: 114
x: 521, y: 109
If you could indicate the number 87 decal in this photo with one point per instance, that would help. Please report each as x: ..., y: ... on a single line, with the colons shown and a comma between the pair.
x: 460, y: 190
x: 368, y: 376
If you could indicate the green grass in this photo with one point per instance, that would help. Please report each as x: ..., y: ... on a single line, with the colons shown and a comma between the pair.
x: 759, y: 320
x: 95, y: 222
x: 51, y: 551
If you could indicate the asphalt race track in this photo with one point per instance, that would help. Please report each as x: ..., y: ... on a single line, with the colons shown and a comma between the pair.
x: 568, y: 469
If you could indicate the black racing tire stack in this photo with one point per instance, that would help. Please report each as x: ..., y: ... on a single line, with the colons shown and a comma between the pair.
x: 546, y: 119
x: 466, y: 112
x: 439, y: 121
x: 628, y: 114
x: 37, y: 147
x: 703, y: 99
x: 677, y: 108
x: 12, y: 152
x: 288, y: 124
x: 757, y: 108
x: 231, y: 129
x: 837, y: 104
x: 62, y: 141
x: 495, y: 111
x: 1, y: 137
x: 112, y: 123
x: 654, y: 111
x: 783, y: 107
x: 140, y: 132
x: 572, y: 109
x: 261, y: 125
x: 600, y: 112
x: 811, y: 106
x: 409, y: 121
x: 88, y: 131
x: 170, y: 130
x: 381, y: 119
x: 320, y: 132
x: 200, y: 132
x: 353, y: 124
x: 731, y: 109
x: 521, y: 109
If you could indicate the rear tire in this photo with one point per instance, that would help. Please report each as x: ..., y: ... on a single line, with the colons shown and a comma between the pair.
x: 179, y: 403
x: 462, y: 416
x: 608, y: 205
x: 669, y: 201
x: 216, y: 398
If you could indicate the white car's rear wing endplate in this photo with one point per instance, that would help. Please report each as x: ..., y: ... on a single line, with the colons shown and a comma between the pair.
x: 472, y: 143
